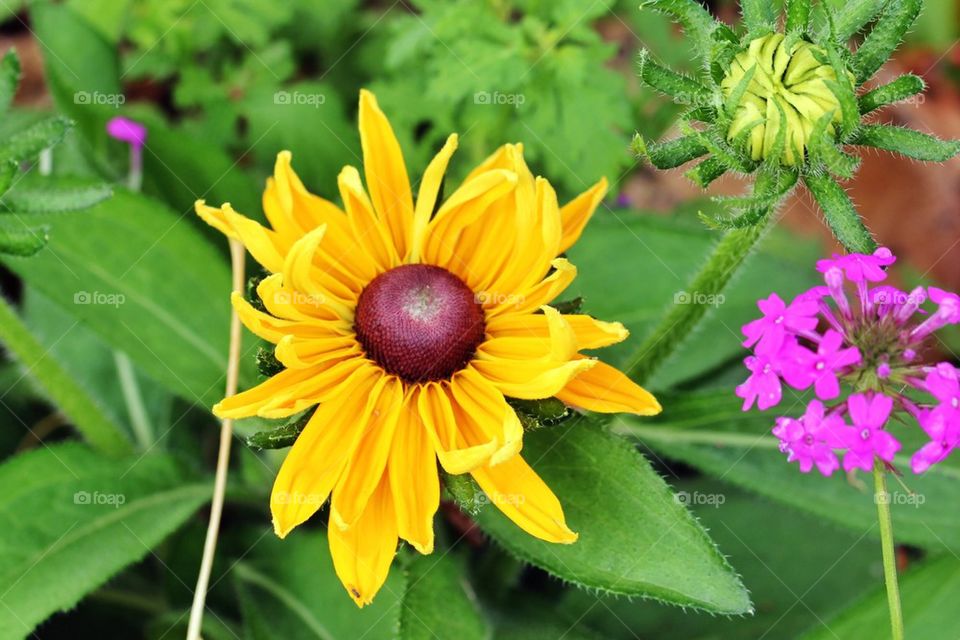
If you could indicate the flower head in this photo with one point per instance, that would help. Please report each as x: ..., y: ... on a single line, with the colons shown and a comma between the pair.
x: 862, y: 355
x: 408, y: 321
x: 127, y: 130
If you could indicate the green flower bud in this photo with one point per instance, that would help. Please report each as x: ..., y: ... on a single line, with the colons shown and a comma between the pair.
x: 789, y: 82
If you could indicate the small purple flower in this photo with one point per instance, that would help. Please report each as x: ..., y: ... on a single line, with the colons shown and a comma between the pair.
x: 859, y: 267
x: 866, y: 438
x: 810, y: 440
x: 779, y: 318
x: 942, y: 383
x: 127, y: 130
x: 802, y: 368
x: 763, y: 385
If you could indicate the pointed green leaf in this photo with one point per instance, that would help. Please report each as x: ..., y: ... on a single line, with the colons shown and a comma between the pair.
x: 283, y: 435
x: 910, y: 143
x: 49, y: 197
x: 86, y: 415
x: 676, y: 152
x: 9, y: 79
x: 439, y: 602
x: 929, y: 594
x: 697, y: 21
x: 851, y: 18
x: 707, y: 171
x: 841, y: 216
x: 28, y: 144
x: 635, y: 537
x: 883, y: 40
x: 906, y: 86
x: 19, y: 239
x: 71, y: 519
x: 798, y: 15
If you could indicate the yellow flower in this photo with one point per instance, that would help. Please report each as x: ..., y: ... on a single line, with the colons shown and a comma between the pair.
x: 409, y: 324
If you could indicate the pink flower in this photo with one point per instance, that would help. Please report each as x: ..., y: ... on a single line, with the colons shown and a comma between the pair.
x: 127, y: 130
x: 769, y: 331
x: 859, y: 267
x: 810, y: 440
x: 944, y: 432
x: 763, y: 385
x: 801, y: 367
x: 866, y: 439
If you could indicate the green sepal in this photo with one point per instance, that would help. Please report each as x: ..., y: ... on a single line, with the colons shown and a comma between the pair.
x: 572, y: 306
x: 906, y: 86
x: 696, y: 20
x: 736, y: 96
x: 850, y: 19
x: 824, y: 151
x: 672, y: 153
x: 252, y: 296
x: 534, y: 414
x: 798, y: 16
x: 23, y: 241
x: 706, y: 172
x: 267, y: 363
x: 683, y: 89
x: 758, y: 16
x: 770, y: 188
x: 282, y: 436
x: 9, y: 79
x: 913, y: 144
x: 887, y: 33
x: 716, y: 145
x: 465, y: 492
x: 28, y: 143
x: 844, y: 91
x: 840, y: 214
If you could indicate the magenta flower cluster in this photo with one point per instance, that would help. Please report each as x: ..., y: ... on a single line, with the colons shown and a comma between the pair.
x: 862, y: 357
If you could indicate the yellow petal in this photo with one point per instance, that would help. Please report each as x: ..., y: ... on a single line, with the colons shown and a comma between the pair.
x: 529, y: 379
x: 369, y: 233
x: 484, y: 416
x: 386, y: 172
x: 362, y: 554
x: 414, y: 480
x: 368, y: 462
x: 301, y: 275
x: 524, y: 497
x: 322, y: 450
x: 214, y: 217
x: 589, y: 332
x: 606, y: 390
x: 295, y: 352
x: 556, y: 347
x: 536, y: 296
x: 576, y: 213
x: 284, y: 302
x: 436, y: 411
x: 262, y: 243
x: 427, y: 196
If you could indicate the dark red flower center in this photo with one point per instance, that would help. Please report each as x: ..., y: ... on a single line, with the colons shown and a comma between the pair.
x: 419, y: 322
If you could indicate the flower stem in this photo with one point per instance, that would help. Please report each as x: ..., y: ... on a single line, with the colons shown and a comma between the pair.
x: 691, y: 305
x: 882, y: 498
x: 237, y: 256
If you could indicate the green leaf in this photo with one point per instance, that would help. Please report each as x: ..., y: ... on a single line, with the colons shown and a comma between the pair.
x: 70, y: 520
x: 635, y: 538
x: 897, y: 17
x: 19, y: 239
x: 709, y: 431
x: 906, y: 86
x: 439, y: 602
x: 706, y: 172
x: 929, y: 594
x: 160, y: 295
x: 683, y: 89
x: 28, y: 143
x: 9, y: 79
x: 673, y: 153
x: 842, y: 217
x: 59, y: 386
x: 288, y: 589
x: 851, y: 18
x: 668, y: 253
x: 282, y: 436
x: 45, y: 196
x: 697, y: 21
x: 910, y: 143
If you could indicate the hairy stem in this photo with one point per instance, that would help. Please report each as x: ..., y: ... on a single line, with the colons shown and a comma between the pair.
x: 882, y: 498
x: 700, y: 296
x: 237, y: 256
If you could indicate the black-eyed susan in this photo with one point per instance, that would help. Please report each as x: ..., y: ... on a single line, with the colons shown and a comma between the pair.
x: 409, y: 324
